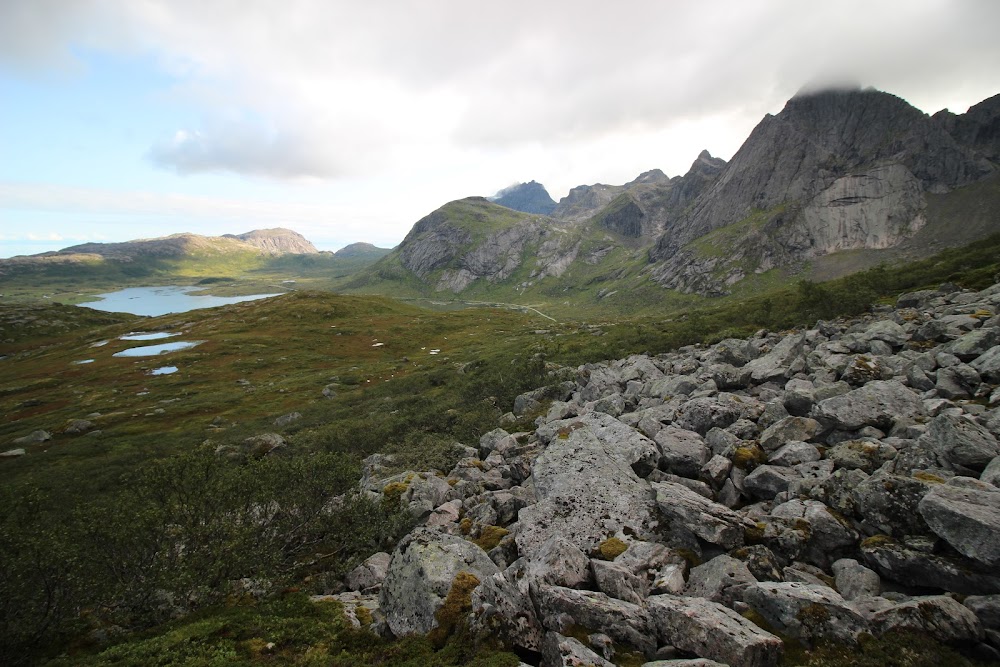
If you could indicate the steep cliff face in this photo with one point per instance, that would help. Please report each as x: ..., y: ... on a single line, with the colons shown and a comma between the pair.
x: 838, y: 170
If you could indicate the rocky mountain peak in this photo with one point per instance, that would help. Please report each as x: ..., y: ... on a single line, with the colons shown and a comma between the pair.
x: 530, y: 197
x: 277, y: 241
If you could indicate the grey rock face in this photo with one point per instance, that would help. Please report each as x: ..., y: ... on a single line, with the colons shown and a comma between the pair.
x: 967, y: 517
x: 587, y: 491
x: 422, y: 570
x: 369, y: 574
x: 855, y: 581
x: 622, y: 621
x: 639, y: 451
x: 986, y: 608
x: 879, y: 404
x: 806, y: 612
x: 789, y: 429
x: 961, y: 441
x: 712, y: 631
x: 912, y: 567
x: 500, y: 610
x: 560, y: 651
x: 939, y: 616
x: 710, y: 521
x: 888, y: 503
x: 715, y: 579
x: 684, y: 452
x: 560, y: 563
x: 617, y: 581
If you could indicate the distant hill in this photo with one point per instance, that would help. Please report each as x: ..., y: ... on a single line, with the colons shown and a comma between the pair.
x: 277, y: 241
x: 528, y: 197
x: 361, y: 250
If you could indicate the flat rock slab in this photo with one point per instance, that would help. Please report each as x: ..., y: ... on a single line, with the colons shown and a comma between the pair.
x: 895, y: 561
x: 712, y: 522
x: 939, y: 616
x: 966, y: 517
x: 596, y: 612
x: 713, y: 631
x: 806, y: 612
x: 878, y: 403
x: 587, y: 492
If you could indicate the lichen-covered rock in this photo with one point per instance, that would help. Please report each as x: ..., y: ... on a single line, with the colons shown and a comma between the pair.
x: 775, y: 364
x: 622, y: 621
x: 966, y: 514
x: 639, y: 451
x: 561, y: 651
x: 880, y: 404
x: 559, y: 562
x: 722, y: 579
x: 423, y: 568
x: 712, y: 631
x: 767, y: 481
x: 788, y: 430
x: 939, y: 616
x: 502, y: 611
x: 587, y: 491
x: 370, y: 574
x: 961, y: 442
x: 888, y: 503
x: 806, y: 612
x: 829, y: 535
x: 683, y: 452
x: 912, y: 567
x: 618, y: 581
x: 712, y: 522
x: 854, y: 580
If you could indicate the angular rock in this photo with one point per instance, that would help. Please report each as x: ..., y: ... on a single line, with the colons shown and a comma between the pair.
x: 806, y: 612
x: 712, y: 522
x: 880, y: 404
x: 794, y: 453
x: 988, y: 365
x: 639, y: 451
x: 622, y: 621
x: 712, y: 631
x: 716, y: 579
x: 860, y: 454
x: 617, y: 581
x: 973, y: 344
x: 683, y: 452
x: 560, y: 651
x: 961, y: 442
x: 370, y: 573
x: 33, y: 438
x: 829, y: 535
x: 938, y: 616
x: 967, y: 517
x: 766, y: 481
x: 423, y: 568
x: 500, y: 610
x: 955, y: 382
x: 787, y: 430
x: 986, y: 608
x: 854, y: 580
x: 912, y: 567
x: 12, y: 453
x: 587, y: 491
x: 775, y: 364
x: 559, y: 562
x: 991, y: 475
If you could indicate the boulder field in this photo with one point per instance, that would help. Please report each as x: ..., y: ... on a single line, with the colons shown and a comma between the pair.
x: 714, y: 503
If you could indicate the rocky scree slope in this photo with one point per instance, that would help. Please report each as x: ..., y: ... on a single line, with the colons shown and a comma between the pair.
x: 721, y: 501
x: 834, y: 171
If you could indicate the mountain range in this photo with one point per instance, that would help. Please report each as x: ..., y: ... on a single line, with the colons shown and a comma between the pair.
x: 839, y: 180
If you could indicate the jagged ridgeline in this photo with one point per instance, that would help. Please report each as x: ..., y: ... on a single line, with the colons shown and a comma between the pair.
x: 836, y: 182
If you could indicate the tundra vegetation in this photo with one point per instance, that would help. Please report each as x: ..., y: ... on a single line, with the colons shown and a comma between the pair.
x: 168, y: 530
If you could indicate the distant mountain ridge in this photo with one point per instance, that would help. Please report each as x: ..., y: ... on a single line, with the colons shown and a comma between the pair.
x: 277, y: 241
x: 528, y: 197
x: 837, y: 181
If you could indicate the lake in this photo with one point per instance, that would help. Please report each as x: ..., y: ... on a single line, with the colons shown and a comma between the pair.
x: 153, y: 350
x: 153, y: 301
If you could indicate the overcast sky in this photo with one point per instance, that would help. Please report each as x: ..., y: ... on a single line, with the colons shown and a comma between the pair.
x: 349, y: 121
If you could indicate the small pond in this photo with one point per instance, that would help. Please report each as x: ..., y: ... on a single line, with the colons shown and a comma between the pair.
x: 147, y: 336
x: 163, y: 370
x: 153, y: 301
x: 153, y: 350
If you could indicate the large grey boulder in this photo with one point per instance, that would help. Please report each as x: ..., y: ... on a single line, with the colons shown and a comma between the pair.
x: 973, y: 344
x: 587, y: 491
x: 991, y: 475
x: 966, y: 514
x: 960, y: 442
x: 854, y: 580
x: 888, y: 503
x: 639, y: 451
x: 988, y: 364
x: 623, y: 621
x: 775, y: 364
x: 941, y: 617
x: 712, y: 522
x: 789, y: 429
x: 713, y: 631
x: 616, y: 580
x: 683, y: 452
x: 501, y: 610
x: 986, y: 608
x: 767, y: 481
x: 560, y: 651
x: 829, y: 535
x: 722, y: 579
x: 880, y: 404
x: 370, y: 574
x: 806, y: 612
x: 559, y: 562
x: 423, y: 568
x: 914, y: 567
